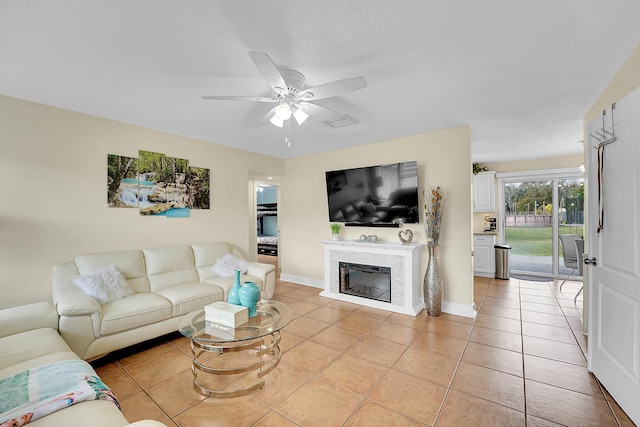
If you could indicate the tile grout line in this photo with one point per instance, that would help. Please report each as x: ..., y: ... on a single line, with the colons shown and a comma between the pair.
x: 455, y: 371
x: 524, y: 373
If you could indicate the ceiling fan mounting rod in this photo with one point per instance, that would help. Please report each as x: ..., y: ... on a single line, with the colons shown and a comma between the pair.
x: 294, y: 80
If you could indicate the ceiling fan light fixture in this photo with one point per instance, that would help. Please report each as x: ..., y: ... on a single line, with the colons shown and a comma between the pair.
x: 300, y: 116
x: 283, y: 112
x: 276, y: 121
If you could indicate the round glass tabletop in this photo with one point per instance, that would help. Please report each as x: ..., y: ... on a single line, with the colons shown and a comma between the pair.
x: 271, y: 317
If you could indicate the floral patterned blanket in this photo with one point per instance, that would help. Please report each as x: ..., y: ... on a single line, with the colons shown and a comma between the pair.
x: 29, y: 395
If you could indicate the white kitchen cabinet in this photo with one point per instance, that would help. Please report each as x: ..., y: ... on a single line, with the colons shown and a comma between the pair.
x: 484, y: 192
x: 484, y: 255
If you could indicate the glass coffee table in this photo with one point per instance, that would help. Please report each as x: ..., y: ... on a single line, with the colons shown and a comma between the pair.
x: 251, y: 349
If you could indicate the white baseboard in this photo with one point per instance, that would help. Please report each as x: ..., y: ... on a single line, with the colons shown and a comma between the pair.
x: 464, y: 310
x: 484, y: 274
x: 301, y: 280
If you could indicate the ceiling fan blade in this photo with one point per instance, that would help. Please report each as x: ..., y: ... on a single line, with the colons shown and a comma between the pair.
x: 269, y: 71
x: 321, y: 113
x: 335, y: 88
x: 240, y: 98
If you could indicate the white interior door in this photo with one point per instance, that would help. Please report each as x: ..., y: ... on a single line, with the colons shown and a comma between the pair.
x: 614, y: 282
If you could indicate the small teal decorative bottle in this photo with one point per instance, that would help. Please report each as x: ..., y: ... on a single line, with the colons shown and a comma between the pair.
x: 234, y: 297
x: 249, y: 295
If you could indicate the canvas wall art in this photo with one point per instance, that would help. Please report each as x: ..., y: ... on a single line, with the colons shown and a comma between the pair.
x: 156, y: 184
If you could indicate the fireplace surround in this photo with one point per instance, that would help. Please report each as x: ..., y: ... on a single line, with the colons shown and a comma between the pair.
x: 402, y: 261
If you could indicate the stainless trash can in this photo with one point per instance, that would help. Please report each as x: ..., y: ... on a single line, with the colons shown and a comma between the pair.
x: 502, y: 261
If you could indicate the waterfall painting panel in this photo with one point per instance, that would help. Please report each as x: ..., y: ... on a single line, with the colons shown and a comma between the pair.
x: 122, y: 181
x: 198, y: 184
x: 176, y: 187
x: 151, y: 194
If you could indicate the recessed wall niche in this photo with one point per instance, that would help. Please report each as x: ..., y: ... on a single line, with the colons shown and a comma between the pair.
x: 156, y: 184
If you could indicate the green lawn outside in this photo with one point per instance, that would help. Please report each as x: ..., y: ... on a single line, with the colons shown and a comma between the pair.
x: 536, y: 240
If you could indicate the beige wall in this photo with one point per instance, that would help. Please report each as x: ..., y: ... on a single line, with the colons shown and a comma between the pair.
x: 444, y: 158
x: 523, y: 166
x: 537, y: 164
x: 53, y: 165
x: 624, y: 82
x: 53, y: 169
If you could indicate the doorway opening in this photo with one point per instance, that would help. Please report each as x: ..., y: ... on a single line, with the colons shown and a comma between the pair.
x: 267, y: 223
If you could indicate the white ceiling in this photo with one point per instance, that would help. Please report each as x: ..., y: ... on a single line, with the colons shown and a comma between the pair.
x: 521, y: 73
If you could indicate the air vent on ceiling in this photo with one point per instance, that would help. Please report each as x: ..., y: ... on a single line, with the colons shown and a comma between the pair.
x: 346, y: 120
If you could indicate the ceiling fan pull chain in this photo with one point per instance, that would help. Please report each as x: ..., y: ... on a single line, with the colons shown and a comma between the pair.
x: 287, y: 135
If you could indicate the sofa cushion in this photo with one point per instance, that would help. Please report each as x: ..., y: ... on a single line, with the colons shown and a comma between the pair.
x: 191, y: 296
x: 104, y: 285
x: 206, y: 255
x: 130, y: 263
x: 27, y: 317
x: 34, y: 344
x: 170, y: 266
x: 134, y: 311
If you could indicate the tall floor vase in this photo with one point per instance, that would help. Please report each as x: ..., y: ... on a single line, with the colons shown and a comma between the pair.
x: 433, y: 284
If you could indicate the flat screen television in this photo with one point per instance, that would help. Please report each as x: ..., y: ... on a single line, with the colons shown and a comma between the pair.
x: 383, y: 196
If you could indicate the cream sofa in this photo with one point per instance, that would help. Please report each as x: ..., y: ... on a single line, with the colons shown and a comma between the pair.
x: 168, y: 283
x: 28, y: 339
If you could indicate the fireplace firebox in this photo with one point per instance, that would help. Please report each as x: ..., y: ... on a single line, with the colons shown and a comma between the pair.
x: 366, y: 281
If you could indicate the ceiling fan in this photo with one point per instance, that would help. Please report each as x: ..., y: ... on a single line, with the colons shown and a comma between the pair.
x: 288, y: 93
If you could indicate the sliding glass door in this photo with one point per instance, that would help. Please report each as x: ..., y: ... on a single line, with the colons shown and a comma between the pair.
x: 528, y: 225
x: 570, y: 213
x: 535, y: 209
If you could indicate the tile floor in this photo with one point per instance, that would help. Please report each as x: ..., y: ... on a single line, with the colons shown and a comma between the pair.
x: 520, y: 363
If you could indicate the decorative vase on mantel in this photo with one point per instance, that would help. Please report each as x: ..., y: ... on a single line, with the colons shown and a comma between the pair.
x: 433, y: 284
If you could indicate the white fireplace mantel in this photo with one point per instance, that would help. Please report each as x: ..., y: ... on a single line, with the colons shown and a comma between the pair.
x: 403, y: 259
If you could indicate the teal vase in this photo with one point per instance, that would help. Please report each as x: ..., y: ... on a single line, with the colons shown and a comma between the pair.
x: 249, y: 295
x: 234, y: 296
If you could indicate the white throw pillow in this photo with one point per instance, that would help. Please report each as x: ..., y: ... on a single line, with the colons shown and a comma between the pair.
x: 104, y: 285
x: 228, y: 264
